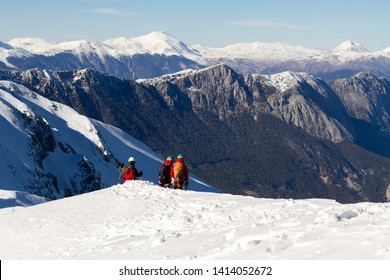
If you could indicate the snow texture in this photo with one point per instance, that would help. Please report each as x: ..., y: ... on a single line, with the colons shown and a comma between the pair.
x: 139, y: 220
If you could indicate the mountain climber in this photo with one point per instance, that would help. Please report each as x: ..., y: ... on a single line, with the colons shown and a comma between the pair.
x: 179, y: 173
x: 131, y: 173
x: 164, y: 174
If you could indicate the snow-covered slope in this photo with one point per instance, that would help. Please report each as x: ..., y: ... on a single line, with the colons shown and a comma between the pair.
x: 49, y: 150
x: 141, y: 221
x: 7, y: 50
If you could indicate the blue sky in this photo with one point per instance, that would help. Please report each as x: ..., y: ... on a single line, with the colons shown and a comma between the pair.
x: 214, y: 23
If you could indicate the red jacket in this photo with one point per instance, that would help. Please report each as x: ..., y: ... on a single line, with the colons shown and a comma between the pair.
x: 185, y: 169
x: 131, y: 173
x: 167, y: 162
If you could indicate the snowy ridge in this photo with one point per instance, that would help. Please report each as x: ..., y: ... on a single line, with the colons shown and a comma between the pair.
x: 140, y: 221
x: 166, y: 44
x: 177, y: 75
x: 160, y: 53
x: 279, y: 52
x: 33, y: 45
x: 39, y: 46
x: 257, y: 50
x: 153, y: 43
x: 49, y: 150
x: 286, y: 80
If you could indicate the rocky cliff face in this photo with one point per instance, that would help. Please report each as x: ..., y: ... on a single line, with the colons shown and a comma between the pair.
x: 283, y: 135
x: 366, y: 97
x: 32, y: 151
x: 367, y: 100
x: 298, y: 99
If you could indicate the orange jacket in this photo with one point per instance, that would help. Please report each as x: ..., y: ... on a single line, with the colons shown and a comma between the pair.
x: 185, y: 169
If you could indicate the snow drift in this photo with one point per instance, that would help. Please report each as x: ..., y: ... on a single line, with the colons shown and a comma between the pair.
x: 139, y: 220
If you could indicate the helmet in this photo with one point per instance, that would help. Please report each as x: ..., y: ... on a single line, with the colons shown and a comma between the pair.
x: 131, y: 159
x: 179, y: 156
x: 170, y: 158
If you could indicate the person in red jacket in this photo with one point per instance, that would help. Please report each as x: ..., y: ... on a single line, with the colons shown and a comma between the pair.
x: 131, y: 173
x: 179, y: 173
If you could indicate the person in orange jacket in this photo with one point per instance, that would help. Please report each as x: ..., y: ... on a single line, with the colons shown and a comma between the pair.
x: 179, y: 173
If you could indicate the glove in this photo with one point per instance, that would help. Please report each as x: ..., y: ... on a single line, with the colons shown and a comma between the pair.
x: 186, y: 183
x: 141, y: 173
x: 172, y: 181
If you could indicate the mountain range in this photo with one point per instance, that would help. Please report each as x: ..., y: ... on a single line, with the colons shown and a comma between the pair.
x: 160, y: 53
x: 260, y: 119
x: 282, y: 135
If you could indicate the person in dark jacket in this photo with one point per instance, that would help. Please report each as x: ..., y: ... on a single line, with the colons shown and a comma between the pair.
x: 164, y: 174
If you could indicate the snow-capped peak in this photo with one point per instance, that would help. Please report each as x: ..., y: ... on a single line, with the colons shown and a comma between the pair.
x: 162, y: 43
x: 40, y: 46
x: 349, y: 46
x: 159, y: 42
x: 158, y: 39
x: 33, y: 45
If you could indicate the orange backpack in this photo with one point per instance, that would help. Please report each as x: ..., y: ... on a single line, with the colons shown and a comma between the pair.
x: 178, y: 171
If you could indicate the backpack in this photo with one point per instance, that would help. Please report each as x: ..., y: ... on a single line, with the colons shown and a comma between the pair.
x: 178, y: 171
x: 165, y: 174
